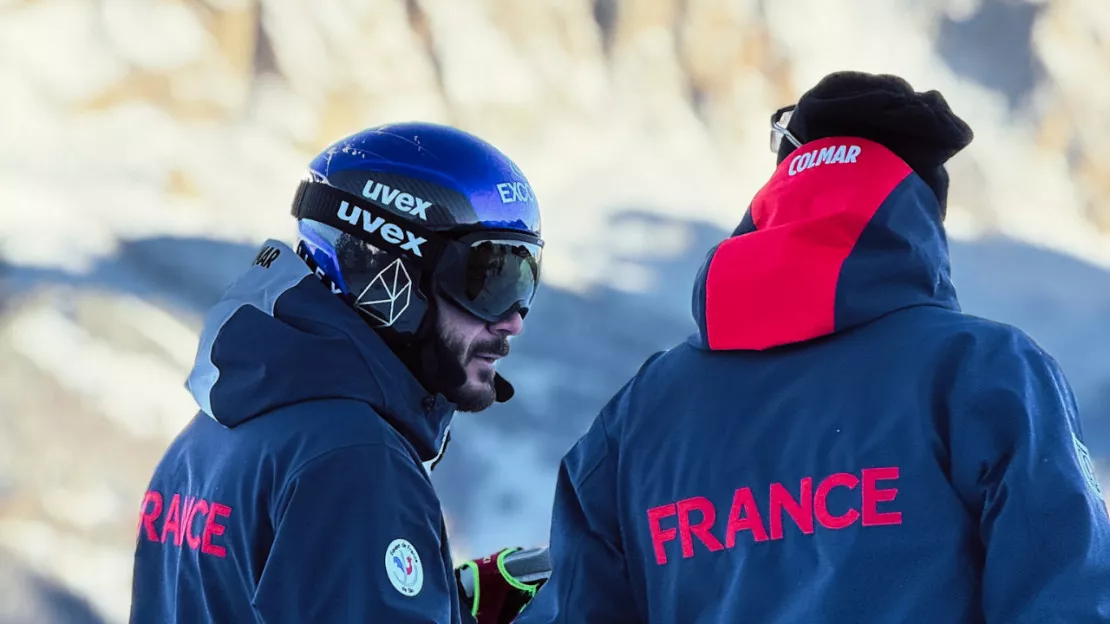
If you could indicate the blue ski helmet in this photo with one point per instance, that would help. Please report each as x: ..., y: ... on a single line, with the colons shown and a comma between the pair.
x: 391, y: 215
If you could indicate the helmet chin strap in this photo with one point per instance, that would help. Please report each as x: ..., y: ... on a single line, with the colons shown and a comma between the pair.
x: 503, y: 390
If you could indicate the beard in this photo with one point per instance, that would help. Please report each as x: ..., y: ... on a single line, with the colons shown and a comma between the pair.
x: 454, y: 356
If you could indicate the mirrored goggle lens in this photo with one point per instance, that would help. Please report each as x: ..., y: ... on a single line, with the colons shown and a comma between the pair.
x: 493, y: 277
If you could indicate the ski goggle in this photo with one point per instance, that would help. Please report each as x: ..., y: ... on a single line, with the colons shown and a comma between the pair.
x: 779, y: 120
x: 491, y: 274
x: 487, y: 273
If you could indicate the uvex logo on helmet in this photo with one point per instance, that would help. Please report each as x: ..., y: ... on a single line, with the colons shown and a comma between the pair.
x: 389, y: 232
x: 396, y: 199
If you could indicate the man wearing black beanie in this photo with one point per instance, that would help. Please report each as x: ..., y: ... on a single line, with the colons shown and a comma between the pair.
x: 838, y: 442
x: 918, y: 127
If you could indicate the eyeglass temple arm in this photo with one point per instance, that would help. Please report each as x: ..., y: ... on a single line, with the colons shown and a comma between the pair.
x: 781, y: 129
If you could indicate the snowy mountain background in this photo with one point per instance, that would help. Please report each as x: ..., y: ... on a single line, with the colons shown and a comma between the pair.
x: 148, y: 146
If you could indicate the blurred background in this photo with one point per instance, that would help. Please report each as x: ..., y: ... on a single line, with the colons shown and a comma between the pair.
x: 147, y: 147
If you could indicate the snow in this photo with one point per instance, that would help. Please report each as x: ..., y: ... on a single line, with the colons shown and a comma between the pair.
x: 135, y: 162
x: 156, y: 35
x: 56, y: 47
x: 140, y: 393
x: 94, y: 571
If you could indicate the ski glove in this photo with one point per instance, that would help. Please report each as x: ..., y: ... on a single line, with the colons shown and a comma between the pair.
x: 496, y: 597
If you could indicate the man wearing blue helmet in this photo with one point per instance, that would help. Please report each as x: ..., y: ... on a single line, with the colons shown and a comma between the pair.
x: 327, y: 377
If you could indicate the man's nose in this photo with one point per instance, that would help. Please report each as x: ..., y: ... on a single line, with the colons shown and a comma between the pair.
x: 510, y: 325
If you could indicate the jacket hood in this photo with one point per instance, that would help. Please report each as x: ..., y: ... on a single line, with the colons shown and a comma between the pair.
x: 279, y: 337
x: 843, y: 233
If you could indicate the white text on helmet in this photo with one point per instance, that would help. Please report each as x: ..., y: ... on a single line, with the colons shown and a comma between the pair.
x: 824, y: 156
x: 404, y: 202
x: 389, y: 232
x: 514, y: 192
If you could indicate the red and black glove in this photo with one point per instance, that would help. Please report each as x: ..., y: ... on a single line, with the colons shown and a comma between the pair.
x: 490, y: 592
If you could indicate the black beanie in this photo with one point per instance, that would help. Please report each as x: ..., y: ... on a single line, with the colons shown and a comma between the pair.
x: 919, y: 127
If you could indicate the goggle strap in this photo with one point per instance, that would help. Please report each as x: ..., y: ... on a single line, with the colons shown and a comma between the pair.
x: 314, y: 267
x: 373, y: 224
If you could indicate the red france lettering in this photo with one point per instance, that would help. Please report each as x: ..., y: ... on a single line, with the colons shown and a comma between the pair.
x: 212, y: 528
x: 146, y: 519
x: 186, y: 512
x: 872, y: 496
x: 700, y: 530
x: 172, y: 523
x: 659, y: 535
x: 820, y: 501
x: 801, y: 510
x: 744, y: 516
x: 809, y: 506
x: 199, y: 508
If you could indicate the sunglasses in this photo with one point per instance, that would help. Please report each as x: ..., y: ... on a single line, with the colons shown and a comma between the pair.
x: 779, y: 120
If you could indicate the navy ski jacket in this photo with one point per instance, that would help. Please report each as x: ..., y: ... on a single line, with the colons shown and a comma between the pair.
x: 838, y: 442
x: 298, y: 493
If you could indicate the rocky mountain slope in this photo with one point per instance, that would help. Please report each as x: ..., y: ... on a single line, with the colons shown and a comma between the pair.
x: 147, y: 147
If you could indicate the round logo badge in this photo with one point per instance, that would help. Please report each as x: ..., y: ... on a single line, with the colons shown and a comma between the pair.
x: 403, y: 566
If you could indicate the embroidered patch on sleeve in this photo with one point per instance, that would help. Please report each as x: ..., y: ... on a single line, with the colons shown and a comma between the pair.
x: 402, y: 564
